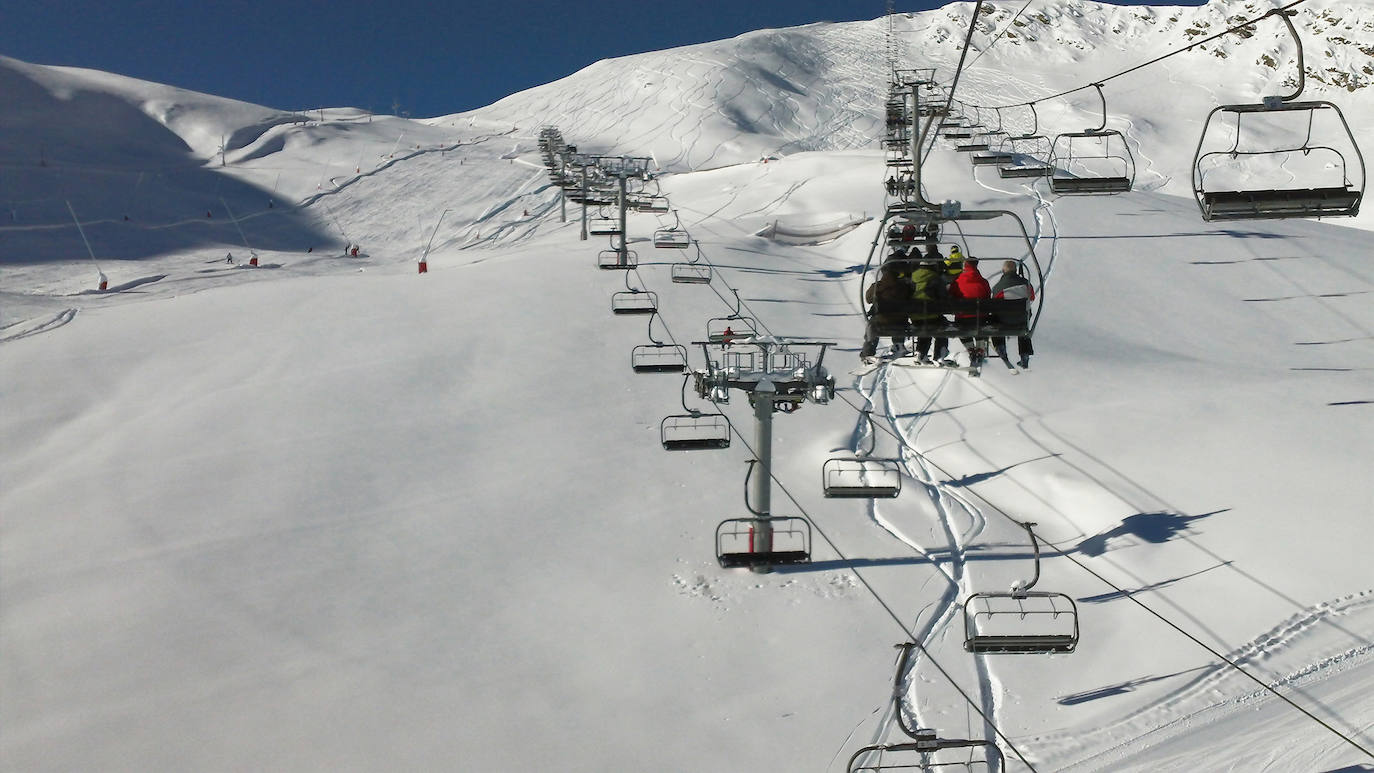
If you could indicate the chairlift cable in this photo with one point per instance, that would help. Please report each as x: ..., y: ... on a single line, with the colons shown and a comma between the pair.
x: 1099, y: 81
x: 999, y: 35
x: 1229, y: 662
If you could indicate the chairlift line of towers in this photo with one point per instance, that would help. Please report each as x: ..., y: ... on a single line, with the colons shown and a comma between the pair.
x: 778, y: 375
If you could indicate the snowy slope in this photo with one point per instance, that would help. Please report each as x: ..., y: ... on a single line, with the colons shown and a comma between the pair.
x: 330, y: 513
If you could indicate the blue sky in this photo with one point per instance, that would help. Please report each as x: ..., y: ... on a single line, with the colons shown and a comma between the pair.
x: 423, y: 58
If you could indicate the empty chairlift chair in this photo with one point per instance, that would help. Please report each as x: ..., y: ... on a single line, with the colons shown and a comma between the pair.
x: 605, y: 226
x: 1093, y: 161
x: 862, y: 476
x: 692, y: 272
x: 1021, y: 621
x: 1287, y: 158
x: 658, y: 356
x: 613, y: 259
x: 634, y: 301
x: 768, y: 540
x: 926, y: 751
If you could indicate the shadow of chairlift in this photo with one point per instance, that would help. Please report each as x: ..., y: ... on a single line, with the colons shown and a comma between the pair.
x: 926, y: 752
x: 1273, y: 203
x: 1021, y: 621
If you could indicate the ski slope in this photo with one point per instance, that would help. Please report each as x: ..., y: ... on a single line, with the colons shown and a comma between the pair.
x: 331, y: 513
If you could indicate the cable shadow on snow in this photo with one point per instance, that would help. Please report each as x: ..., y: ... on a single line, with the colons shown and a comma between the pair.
x: 1156, y: 528
x: 1102, y: 598
x: 1120, y: 688
x: 969, y: 480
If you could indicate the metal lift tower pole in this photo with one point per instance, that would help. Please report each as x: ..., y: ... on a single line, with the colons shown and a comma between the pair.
x: 624, y: 235
x: 763, y: 440
x: 584, y: 201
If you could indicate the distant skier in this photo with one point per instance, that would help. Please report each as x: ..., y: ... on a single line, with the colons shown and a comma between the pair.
x: 1012, y: 286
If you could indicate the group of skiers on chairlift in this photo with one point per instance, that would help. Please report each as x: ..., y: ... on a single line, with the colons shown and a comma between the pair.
x: 907, y: 275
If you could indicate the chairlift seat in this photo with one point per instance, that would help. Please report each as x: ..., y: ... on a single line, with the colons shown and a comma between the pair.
x: 604, y: 227
x: 1089, y: 185
x: 1025, y: 170
x: 672, y: 238
x: 659, y: 358
x: 687, y: 432
x: 1280, y: 203
x: 970, y: 147
x: 610, y: 260
x: 738, y: 538
x: 1023, y: 622
x: 634, y: 302
x: 691, y: 273
x: 992, y: 159
x: 654, y: 204
x: 864, y: 478
x: 984, y: 317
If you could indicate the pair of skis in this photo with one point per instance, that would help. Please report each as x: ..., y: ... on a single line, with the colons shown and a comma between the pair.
x: 974, y: 369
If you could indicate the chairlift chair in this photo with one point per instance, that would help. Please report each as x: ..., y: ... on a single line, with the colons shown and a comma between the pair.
x: 1287, y: 195
x: 691, y: 273
x: 605, y: 227
x: 695, y: 431
x: 1021, y: 621
x: 1105, y: 167
x: 634, y: 302
x: 975, y: 318
x: 769, y: 540
x: 653, y: 204
x: 862, y: 476
x: 659, y: 358
x: 1030, y: 153
x: 926, y: 750
x: 611, y: 260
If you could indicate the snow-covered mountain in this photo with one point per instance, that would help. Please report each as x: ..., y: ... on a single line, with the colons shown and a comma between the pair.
x: 327, y: 512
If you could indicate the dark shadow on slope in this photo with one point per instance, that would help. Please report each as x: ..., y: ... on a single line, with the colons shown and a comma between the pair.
x: 1157, y: 528
x: 1120, y: 688
x: 1102, y: 598
x: 134, y: 183
x: 1351, y: 769
x: 1353, y: 402
x: 831, y: 273
x: 969, y: 480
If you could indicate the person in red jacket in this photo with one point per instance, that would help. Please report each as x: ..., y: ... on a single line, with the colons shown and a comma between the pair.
x: 970, y: 285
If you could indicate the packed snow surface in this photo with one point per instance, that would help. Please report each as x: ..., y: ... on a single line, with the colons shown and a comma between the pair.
x: 326, y: 512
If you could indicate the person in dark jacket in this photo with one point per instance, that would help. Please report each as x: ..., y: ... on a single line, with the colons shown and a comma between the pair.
x: 970, y: 285
x: 1012, y: 286
x: 887, y: 295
